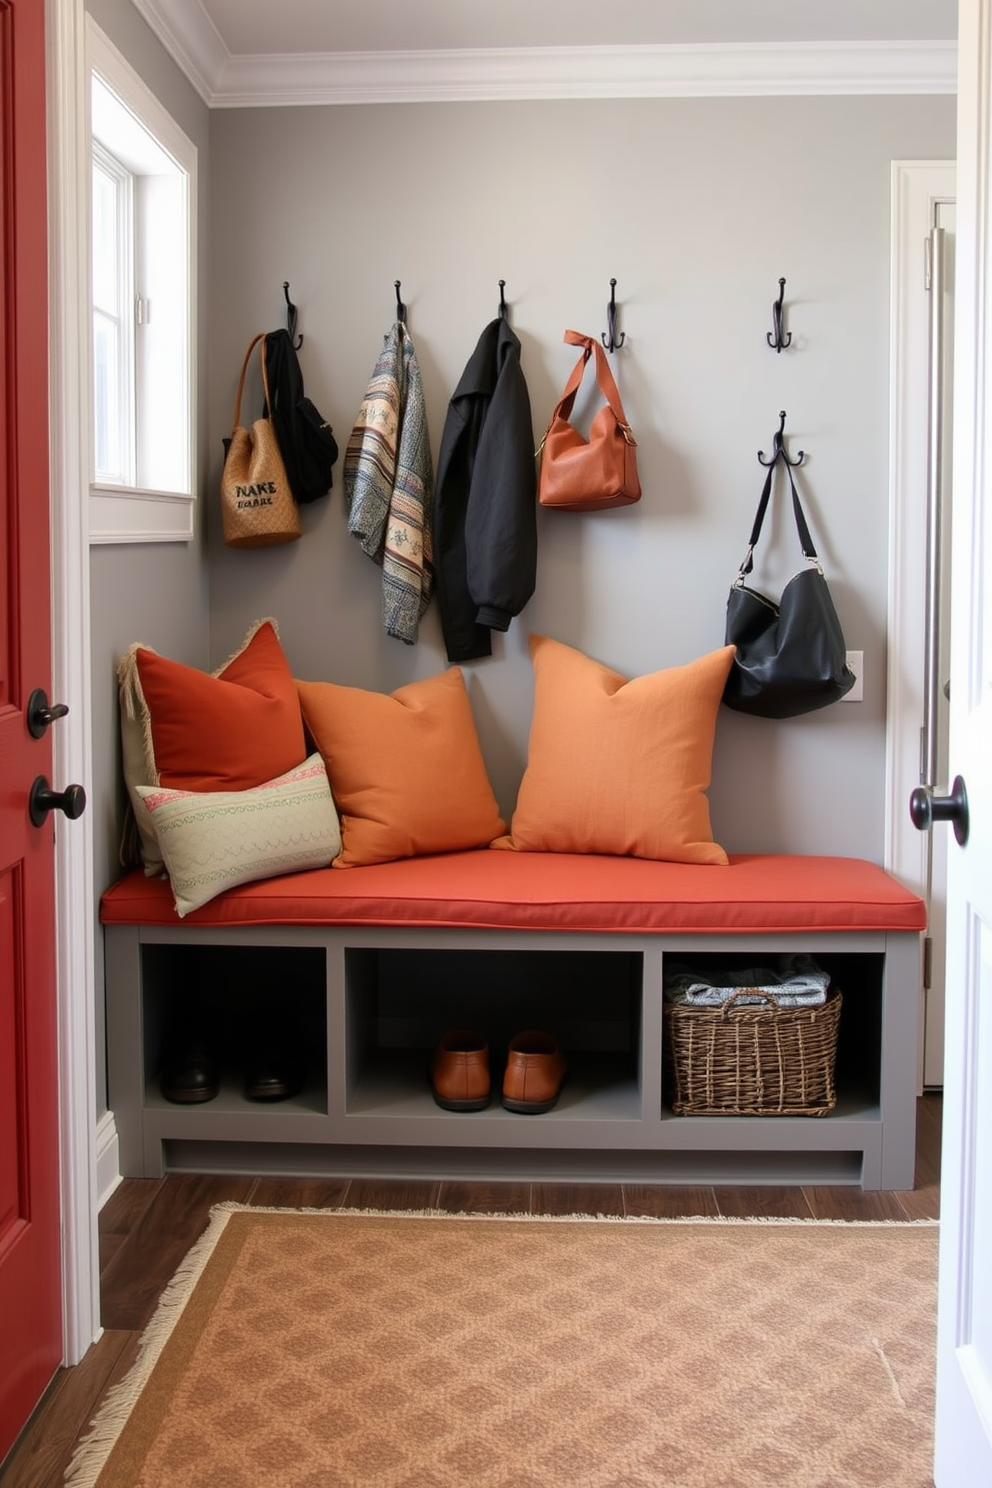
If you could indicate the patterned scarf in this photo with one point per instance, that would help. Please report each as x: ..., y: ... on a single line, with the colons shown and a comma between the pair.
x: 389, y: 485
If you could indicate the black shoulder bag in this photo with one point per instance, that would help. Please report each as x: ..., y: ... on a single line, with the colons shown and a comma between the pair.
x: 791, y: 657
x: 306, y: 439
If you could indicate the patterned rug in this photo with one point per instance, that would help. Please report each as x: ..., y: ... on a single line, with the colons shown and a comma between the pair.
x: 339, y: 1349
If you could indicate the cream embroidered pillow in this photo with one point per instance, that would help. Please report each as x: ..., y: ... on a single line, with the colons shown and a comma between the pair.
x: 216, y: 840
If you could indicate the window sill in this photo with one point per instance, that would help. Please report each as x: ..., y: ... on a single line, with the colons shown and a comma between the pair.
x: 123, y: 514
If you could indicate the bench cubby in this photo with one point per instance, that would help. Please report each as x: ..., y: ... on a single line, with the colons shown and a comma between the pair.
x: 372, y: 1001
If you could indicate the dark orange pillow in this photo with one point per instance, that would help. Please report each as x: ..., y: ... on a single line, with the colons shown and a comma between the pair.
x: 617, y: 766
x: 189, y: 730
x: 230, y: 731
x: 406, y: 769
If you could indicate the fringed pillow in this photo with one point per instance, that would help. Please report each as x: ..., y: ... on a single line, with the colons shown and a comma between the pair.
x: 184, y: 729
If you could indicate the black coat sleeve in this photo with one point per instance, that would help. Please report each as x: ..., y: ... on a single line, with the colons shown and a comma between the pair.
x: 501, y: 517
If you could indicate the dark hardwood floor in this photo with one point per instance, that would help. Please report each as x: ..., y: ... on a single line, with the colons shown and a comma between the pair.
x: 148, y: 1225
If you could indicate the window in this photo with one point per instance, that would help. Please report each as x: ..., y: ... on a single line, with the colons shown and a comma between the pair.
x: 143, y: 173
x: 113, y: 325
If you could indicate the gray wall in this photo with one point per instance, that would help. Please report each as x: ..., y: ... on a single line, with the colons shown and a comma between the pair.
x: 152, y: 592
x: 697, y: 207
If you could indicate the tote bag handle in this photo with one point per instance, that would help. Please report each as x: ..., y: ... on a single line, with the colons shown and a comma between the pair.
x: 806, y: 542
x: 604, y: 378
x: 241, y: 380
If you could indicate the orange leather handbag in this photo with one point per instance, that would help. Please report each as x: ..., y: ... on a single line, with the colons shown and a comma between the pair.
x: 579, y: 474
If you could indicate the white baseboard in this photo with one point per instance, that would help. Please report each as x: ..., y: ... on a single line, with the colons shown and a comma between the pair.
x: 108, y: 1164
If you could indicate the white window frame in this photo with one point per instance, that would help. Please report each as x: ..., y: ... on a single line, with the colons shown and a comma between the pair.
x: 131, y: 512
x: 123, y: 314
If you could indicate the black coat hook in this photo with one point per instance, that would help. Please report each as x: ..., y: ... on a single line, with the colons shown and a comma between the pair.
x: 778, y: 448
x: 775, y: 337
x: 611, y: 321
x: 503, y: 307
x: 400, y: 307
x: 291, y: 317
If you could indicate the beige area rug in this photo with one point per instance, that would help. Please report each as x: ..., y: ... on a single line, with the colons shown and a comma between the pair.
x: 331, y: 1349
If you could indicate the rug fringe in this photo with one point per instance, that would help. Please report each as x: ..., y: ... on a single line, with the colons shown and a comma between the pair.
x: 94, y: 1448
x: 232, y: 1206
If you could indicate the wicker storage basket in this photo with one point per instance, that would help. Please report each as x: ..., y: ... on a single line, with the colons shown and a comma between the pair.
x: 751, y: 1060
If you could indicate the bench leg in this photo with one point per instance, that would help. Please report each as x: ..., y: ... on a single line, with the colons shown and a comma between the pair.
x: 900, y: 1048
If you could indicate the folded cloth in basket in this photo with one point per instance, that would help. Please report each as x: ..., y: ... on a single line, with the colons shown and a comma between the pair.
x: 799, y: 983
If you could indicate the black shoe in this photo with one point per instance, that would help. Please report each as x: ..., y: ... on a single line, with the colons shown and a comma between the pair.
x: 190, y: 1073
x: 276, y: 1068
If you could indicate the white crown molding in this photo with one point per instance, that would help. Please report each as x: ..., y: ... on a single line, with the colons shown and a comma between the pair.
x: 191, y: 38
x: 224, y: 80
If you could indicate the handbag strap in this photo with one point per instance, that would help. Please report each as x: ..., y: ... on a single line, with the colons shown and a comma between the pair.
x: 604, y: 377
x: 806, y: 542
x: 241, y: 380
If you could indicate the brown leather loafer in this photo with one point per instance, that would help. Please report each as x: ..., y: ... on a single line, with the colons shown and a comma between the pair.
x: 460, y: 1071
x: 535, y: 1072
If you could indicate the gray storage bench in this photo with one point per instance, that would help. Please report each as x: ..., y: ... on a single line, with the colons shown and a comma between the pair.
x: 374, y: 963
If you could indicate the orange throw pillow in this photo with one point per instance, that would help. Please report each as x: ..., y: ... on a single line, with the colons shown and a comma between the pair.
x: 616, y: 766
x: 406, y: 769
x: 188, y: 730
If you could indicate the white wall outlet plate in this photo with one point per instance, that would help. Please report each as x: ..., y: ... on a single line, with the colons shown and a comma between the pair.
x: 856, y: 662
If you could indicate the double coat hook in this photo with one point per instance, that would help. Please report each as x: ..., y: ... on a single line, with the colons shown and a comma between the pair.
x: 612, y: 343
x: 400, y: 307
x: 503, y: 307
x: 775, y: 338
x: 291, y: 317
x: 779, y: 451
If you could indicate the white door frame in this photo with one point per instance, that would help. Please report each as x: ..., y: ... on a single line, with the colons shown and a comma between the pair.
x: 916, y: 188
x: 69, y: 443
x: 914, y: 183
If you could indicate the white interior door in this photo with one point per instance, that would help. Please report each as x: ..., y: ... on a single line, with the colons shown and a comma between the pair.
x: 963, y: 1457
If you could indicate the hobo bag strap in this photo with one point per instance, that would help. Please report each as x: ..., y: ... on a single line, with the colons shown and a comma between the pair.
x: 604, y: 377
x: 806, y: 542
x: 241, y: 380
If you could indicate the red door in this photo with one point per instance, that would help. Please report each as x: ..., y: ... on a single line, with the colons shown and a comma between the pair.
x: 30, y: 1256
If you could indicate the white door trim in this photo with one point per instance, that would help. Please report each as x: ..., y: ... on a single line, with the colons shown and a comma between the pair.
x: 916, y: 188
x: 69, y: 440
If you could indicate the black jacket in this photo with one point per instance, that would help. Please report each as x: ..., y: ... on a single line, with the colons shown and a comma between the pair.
x: 485, y: 512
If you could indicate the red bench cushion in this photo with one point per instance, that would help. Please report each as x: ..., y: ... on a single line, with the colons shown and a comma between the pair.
x: 553, y: 891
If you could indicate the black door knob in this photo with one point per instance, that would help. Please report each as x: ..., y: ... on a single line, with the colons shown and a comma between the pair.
x: 43, y: 799
x: 40, y: 714
x: 925, y: 808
